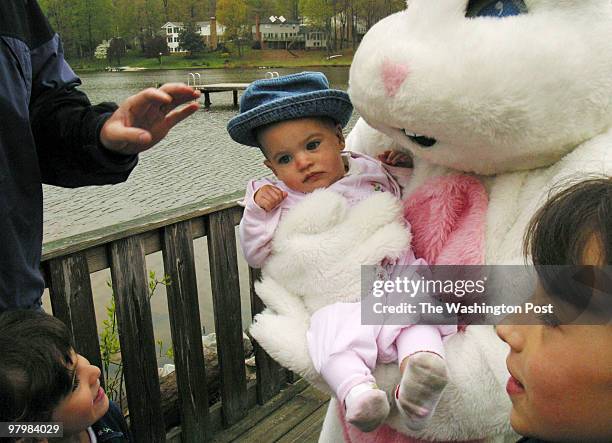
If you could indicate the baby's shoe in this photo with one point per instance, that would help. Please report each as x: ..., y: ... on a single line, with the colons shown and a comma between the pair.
x: 367, y: 407
x: 419, y: 392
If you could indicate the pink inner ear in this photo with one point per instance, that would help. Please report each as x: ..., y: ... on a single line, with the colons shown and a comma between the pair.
x: 393, y: 75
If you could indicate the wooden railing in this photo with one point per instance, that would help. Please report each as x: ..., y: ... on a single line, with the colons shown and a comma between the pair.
x: 67, y: 266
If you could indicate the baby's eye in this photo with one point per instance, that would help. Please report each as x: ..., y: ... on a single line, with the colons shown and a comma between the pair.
x: 75, y: 385
x: 311, y: 146
x: 549, y: 320
x: 284, y: 159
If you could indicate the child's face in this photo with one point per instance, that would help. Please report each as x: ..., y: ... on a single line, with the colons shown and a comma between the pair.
x: 561, y: 380
x: 87, y: 403
x: 304, y: 153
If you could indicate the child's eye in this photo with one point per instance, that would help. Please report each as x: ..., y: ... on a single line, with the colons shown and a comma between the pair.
x: 75, y: 385
x: 549, y: 320
x: 311, y: 146
x: 284, y: 159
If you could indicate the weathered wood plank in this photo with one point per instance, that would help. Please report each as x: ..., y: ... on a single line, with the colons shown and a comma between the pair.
x: 148, y: 223
x: 129, y: 275
x: 308, y: 430
x: 259, y: 413
x: 286, y: 418
x: 186, y: 328
x: 215, y: 417
x: 72, y: 302
x: 226, y: 302
x: 268, y: 380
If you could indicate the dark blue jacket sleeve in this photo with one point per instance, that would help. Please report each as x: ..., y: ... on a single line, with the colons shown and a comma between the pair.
x: 67, y: 127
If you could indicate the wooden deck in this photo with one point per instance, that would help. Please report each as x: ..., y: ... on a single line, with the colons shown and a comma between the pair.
x: 273, y: 407
x: 294, y: 415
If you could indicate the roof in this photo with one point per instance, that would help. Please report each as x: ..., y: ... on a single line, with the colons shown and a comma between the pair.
x: 178, y: 24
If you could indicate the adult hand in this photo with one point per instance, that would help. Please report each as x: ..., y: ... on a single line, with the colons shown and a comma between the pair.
x: 269, y: 197
x: 145, y: 118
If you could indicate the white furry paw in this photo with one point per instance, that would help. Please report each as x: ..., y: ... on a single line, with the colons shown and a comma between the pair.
x: 318, y: 212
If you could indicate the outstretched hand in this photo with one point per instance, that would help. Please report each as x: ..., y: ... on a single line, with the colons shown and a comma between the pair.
x: 144, y: 119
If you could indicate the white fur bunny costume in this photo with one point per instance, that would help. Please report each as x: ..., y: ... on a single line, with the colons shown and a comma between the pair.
x: 518, y: 102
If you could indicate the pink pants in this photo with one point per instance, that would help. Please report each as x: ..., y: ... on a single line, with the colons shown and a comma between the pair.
x: 345, y: 352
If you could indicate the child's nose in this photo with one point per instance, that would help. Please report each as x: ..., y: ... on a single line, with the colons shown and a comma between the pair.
x: 513, y: 335
x: 303, y: 161
x: 94, y: 373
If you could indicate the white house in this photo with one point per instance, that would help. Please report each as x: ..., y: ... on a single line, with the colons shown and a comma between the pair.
x: 279, y: 33
x: 315, y: 39
x: 172, y: 29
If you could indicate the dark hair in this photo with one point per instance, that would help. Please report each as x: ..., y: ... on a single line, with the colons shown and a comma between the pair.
x: 35, y: 355
x: 559, y: 234
x: 559, y: 231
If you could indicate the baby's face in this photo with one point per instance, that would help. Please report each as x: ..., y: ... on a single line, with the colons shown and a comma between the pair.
x: 305, y: 153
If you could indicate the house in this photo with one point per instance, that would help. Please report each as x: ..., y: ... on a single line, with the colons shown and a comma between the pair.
x: 280, y: 33
x: 315, y: 38
x: 172, y: 29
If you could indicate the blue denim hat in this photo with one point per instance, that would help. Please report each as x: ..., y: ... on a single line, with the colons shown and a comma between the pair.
x: 272, y: 100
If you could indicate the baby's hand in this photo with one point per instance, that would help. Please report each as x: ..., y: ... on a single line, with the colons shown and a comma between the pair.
x: 396, y: 158
x: 269, y: 197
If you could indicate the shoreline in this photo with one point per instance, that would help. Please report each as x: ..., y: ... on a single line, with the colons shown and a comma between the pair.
x: 198, y: 67
x: 253, y: 59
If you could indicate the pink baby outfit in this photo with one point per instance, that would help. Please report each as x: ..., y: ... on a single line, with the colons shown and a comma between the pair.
x: 343, y: 350
x: 365, y: 175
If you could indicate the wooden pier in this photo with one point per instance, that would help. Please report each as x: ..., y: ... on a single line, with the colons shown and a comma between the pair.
x: 274, y: 408
x: 220, y: 87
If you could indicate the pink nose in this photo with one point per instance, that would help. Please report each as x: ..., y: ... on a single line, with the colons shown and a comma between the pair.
x: 393, y: 75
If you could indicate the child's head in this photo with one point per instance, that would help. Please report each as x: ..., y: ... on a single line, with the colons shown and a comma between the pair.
x: 561, y: 377
x: 297, y: 122
x: 42, y: 378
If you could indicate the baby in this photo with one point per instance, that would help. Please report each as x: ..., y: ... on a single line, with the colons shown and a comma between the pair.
x: 297, y: 122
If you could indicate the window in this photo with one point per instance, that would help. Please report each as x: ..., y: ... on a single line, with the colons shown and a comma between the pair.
x: 169, y: 39
x: 168, y: 30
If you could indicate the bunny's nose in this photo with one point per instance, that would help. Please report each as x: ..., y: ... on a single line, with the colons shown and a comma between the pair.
x: 393, y: 75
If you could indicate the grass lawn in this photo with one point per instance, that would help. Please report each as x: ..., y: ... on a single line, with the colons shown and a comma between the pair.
x: 251, y: 58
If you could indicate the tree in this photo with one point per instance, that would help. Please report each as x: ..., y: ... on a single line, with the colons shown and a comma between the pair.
x: 233, y: 14
x: 116, y: 50
x: 190, y: 41
x: 155, y: 46
x: 81, y: 23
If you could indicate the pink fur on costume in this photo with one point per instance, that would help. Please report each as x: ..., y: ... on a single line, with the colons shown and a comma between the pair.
x: 447, y: 217
x: 393, y: 75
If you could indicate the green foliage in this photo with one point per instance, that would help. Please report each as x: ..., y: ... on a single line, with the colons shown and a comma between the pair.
x: 234, y: 15
x: 116, y: 50
x: 84, y: 24
x: 191, y: 41
x: 154, y: 46
x: 110, y: 347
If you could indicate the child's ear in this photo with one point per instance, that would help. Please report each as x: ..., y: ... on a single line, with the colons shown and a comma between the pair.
x: 340, y: 135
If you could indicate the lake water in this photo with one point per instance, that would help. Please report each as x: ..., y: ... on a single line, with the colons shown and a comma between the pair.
x: 195, y: 162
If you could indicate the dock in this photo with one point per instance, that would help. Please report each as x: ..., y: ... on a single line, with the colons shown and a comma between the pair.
x: 220, y: 87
